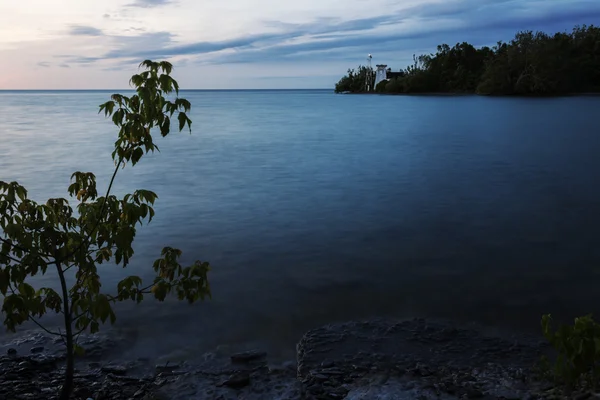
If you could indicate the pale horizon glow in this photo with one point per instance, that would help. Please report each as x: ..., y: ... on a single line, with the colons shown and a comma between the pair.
x: 250, y: 44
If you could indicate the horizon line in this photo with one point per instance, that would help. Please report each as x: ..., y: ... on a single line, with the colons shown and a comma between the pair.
x: 131, y: 89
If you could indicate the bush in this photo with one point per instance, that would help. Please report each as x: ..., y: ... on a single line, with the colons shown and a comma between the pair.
x: 578, y: 348
x: 380, y: 88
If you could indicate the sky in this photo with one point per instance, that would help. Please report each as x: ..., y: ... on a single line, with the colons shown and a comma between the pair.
x: 250, y: 44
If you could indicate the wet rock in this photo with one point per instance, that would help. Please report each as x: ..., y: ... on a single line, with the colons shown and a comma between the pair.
x: 320, y: 377
x: 37, y: 349
x: 248, y: 356
x: 167, y: 367
x: 238, y: 380
x: 114, y: 369
x: 11, y: 352
x: 474, y: 394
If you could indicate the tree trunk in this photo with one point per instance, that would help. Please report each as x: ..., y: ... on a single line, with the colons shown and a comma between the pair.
x: 67, y: 387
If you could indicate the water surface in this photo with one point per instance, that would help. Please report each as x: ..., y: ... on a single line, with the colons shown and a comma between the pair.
x: 314, y: 207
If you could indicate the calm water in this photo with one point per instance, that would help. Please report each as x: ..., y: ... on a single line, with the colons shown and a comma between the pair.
x: 313, y: 207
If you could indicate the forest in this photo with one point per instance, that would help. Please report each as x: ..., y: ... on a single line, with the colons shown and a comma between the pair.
x: 531, y: 64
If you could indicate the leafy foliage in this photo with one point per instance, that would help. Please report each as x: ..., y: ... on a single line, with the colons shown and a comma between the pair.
x: 101, y: 230
x: 356, y: 81
x: 530, y: 64
x: 578, y: 348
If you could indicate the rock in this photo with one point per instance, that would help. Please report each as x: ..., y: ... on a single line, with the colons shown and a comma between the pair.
x: 37, y: 349
x: 248, y: 356
x: 167, y: 367
x: 11, y: 352
x: 238, y: 380
x: 474, y: 394
x: 114, y: 369
x: 320, y: 377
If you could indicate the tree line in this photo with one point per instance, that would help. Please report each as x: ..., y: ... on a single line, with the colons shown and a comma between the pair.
x: 533, y: 63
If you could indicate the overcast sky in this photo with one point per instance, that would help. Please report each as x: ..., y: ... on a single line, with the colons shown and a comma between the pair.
x: 85, y: 44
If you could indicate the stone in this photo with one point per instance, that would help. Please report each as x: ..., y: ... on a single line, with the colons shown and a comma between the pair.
x: 167, y: 367
x: 248, y: 356
x: 320, y: 377
x: 238, y: 380
x: 37, y: 349
x: 11, y: 352
x: 474, y: 394
x: 315, y: 389
x: 114, y: 369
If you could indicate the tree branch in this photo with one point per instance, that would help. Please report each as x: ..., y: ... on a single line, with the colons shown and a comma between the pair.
x: 112, y: 179
x: 15, y: 246
x: 42, y: 327
x: 143, y: 290
x: 13, y: 259
x: 79, y: 332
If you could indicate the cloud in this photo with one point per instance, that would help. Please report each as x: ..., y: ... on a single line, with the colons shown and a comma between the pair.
x: 83, y: 30
x: 431, y: 23
x: 64, y: 65
x: 327, y: 35
x: 83, y: 60
x: 44, y: 64
x: 150, y: 3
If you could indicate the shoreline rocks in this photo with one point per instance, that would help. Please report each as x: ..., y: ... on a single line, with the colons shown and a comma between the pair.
x: 375, y: 359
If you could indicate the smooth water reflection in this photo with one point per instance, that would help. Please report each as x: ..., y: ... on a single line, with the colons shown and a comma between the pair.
x: 313, y: 207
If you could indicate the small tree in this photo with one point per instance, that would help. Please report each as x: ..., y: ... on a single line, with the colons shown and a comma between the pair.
x: 36, y: 237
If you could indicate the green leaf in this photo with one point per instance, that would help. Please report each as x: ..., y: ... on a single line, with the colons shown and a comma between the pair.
x: 21, y: 192
x: 137, y: 155
x: 182, y: 120
x: 26, y: 289
x: 4, y: 280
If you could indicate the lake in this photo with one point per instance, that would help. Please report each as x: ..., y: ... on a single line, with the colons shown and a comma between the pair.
x: 313, y: 207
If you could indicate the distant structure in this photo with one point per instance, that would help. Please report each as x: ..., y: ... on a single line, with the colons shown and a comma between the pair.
x: 381, y: 73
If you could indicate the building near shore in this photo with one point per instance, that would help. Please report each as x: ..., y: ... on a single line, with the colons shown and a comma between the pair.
x: 383, y: 73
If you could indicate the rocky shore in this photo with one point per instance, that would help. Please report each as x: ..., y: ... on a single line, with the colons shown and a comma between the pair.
x: 375, y: 359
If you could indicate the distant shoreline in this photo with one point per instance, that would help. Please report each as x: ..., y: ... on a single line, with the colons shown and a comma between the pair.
x: 445, y: 94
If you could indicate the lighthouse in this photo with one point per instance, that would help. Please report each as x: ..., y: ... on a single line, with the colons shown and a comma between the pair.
x: 380, y: 74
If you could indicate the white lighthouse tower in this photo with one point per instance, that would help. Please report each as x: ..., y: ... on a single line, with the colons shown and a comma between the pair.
x: 380, y: 74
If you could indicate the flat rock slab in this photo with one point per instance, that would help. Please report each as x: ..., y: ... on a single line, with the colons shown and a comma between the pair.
x: 388, y: 359
x: 376, y: 360
x: 249, y: 356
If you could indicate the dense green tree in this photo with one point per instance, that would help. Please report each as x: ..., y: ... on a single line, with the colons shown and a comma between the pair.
x: 356, y: 81
x: 54, y: 238
x: 530, y: 64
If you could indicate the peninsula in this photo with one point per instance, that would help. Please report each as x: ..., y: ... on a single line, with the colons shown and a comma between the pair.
x: 531, y: 64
